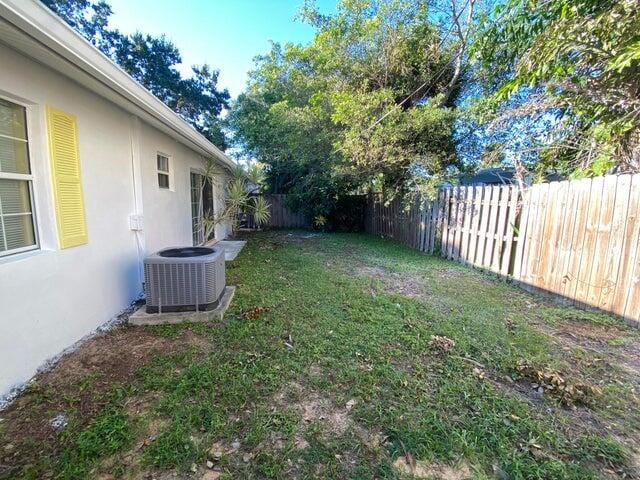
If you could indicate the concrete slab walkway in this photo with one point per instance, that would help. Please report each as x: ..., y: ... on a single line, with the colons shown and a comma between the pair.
x: 231, y: 248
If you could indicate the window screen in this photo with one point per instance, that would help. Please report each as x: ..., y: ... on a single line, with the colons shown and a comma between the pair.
x: 17, y: 231
x: 163, y: 171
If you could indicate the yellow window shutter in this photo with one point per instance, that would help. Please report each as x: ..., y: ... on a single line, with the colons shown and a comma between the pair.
x: 67, y: 180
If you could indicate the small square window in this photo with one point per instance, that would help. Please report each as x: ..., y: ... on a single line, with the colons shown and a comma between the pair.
x: 163, y: 171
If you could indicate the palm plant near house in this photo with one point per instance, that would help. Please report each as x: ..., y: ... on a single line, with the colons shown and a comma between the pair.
x: 261, y: 212
x: 256, y: 176
x: 239, y: 196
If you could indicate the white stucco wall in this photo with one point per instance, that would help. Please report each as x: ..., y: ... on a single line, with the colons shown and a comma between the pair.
x: 167, y: 213
x: 50, y: 298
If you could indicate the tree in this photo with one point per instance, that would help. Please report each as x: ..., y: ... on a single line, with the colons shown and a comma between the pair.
x: 575, y: 65
x: 152, y: 61
x: 90, y: 19
x: 274, y: 122
x: 369, y: 103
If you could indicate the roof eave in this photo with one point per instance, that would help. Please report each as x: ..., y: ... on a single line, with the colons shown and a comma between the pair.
x: 41, y: 24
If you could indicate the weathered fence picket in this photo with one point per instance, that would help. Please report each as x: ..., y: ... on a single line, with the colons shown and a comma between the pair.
x: 577, y: 240
x: 280, y: 215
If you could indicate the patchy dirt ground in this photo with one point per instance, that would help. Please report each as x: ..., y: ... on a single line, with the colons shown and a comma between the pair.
x: 608, y: 353
x: 605, y: 340
x: 402, y: 284
x: 311, y: 406
x: 342, y: 356
x: 421, y: 469
x: 79, y: 385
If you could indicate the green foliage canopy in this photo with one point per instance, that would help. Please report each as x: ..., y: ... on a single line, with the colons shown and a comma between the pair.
x: 309, y: 112
x: 582, y: 58
x: 152, y: 62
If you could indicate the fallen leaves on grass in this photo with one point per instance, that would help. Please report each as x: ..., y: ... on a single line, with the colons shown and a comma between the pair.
x: 478, y: 373
x: 567, y: 391
x: 253, y: 312
x: 441, y: 344
x: 532, y: 447
x: 365, y: 362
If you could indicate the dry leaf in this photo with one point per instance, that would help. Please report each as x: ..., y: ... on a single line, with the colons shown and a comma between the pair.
x: 411, y: 461
x: 566, y: 391
x: 441, y: 344
x: 253, y: 312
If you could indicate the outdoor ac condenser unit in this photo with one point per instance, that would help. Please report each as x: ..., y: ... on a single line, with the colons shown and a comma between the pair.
x: 184, y: 279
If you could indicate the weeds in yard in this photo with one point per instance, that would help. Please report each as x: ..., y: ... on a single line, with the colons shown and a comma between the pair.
x: 348, y: 374
x: 110, y: 432
x: 173, y: 448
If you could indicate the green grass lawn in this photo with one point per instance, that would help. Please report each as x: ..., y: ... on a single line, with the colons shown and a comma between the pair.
x: 326, y: 367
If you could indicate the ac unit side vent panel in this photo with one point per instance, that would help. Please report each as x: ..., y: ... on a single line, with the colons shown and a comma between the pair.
x: 190, y: 282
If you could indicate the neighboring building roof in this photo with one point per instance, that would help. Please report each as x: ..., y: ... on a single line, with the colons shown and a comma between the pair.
x: 503, y: 176
x: 490, y: 176
x: 32, y: 29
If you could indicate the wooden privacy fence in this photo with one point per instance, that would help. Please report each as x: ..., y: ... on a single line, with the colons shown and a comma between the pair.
x: 577, y: 240
x: 281, y: 216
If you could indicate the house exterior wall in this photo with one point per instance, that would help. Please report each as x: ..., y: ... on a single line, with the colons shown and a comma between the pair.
x: 50, y: 298
x: 167, y: 213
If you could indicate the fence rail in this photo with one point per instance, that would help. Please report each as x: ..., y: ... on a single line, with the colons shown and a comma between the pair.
x: 280, y: 215
x: 577, y: 240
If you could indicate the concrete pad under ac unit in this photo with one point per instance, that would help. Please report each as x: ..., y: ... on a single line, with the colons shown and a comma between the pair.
x: 141, y: 317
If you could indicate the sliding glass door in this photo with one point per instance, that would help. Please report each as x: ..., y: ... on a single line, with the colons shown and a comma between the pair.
x: 201, y: 207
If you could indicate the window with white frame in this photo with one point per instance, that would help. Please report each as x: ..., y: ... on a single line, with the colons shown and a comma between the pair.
x: 17, y: 223
x: 163, y: 171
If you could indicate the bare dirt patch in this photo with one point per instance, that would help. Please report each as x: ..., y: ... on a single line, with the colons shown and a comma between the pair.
x: 402, y: 284
x: 586, y: 332
x: 312, y: 407
x: 448, y: 272
x: 316, y: 408
x: 612, y: 345
x: 631, y: 360
x: 78, y: 386
x: 315, y: 371
x: 432, y: 470
x: 79, y: 377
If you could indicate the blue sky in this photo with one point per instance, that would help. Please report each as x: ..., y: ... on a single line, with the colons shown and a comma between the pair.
x: 226, y: 34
